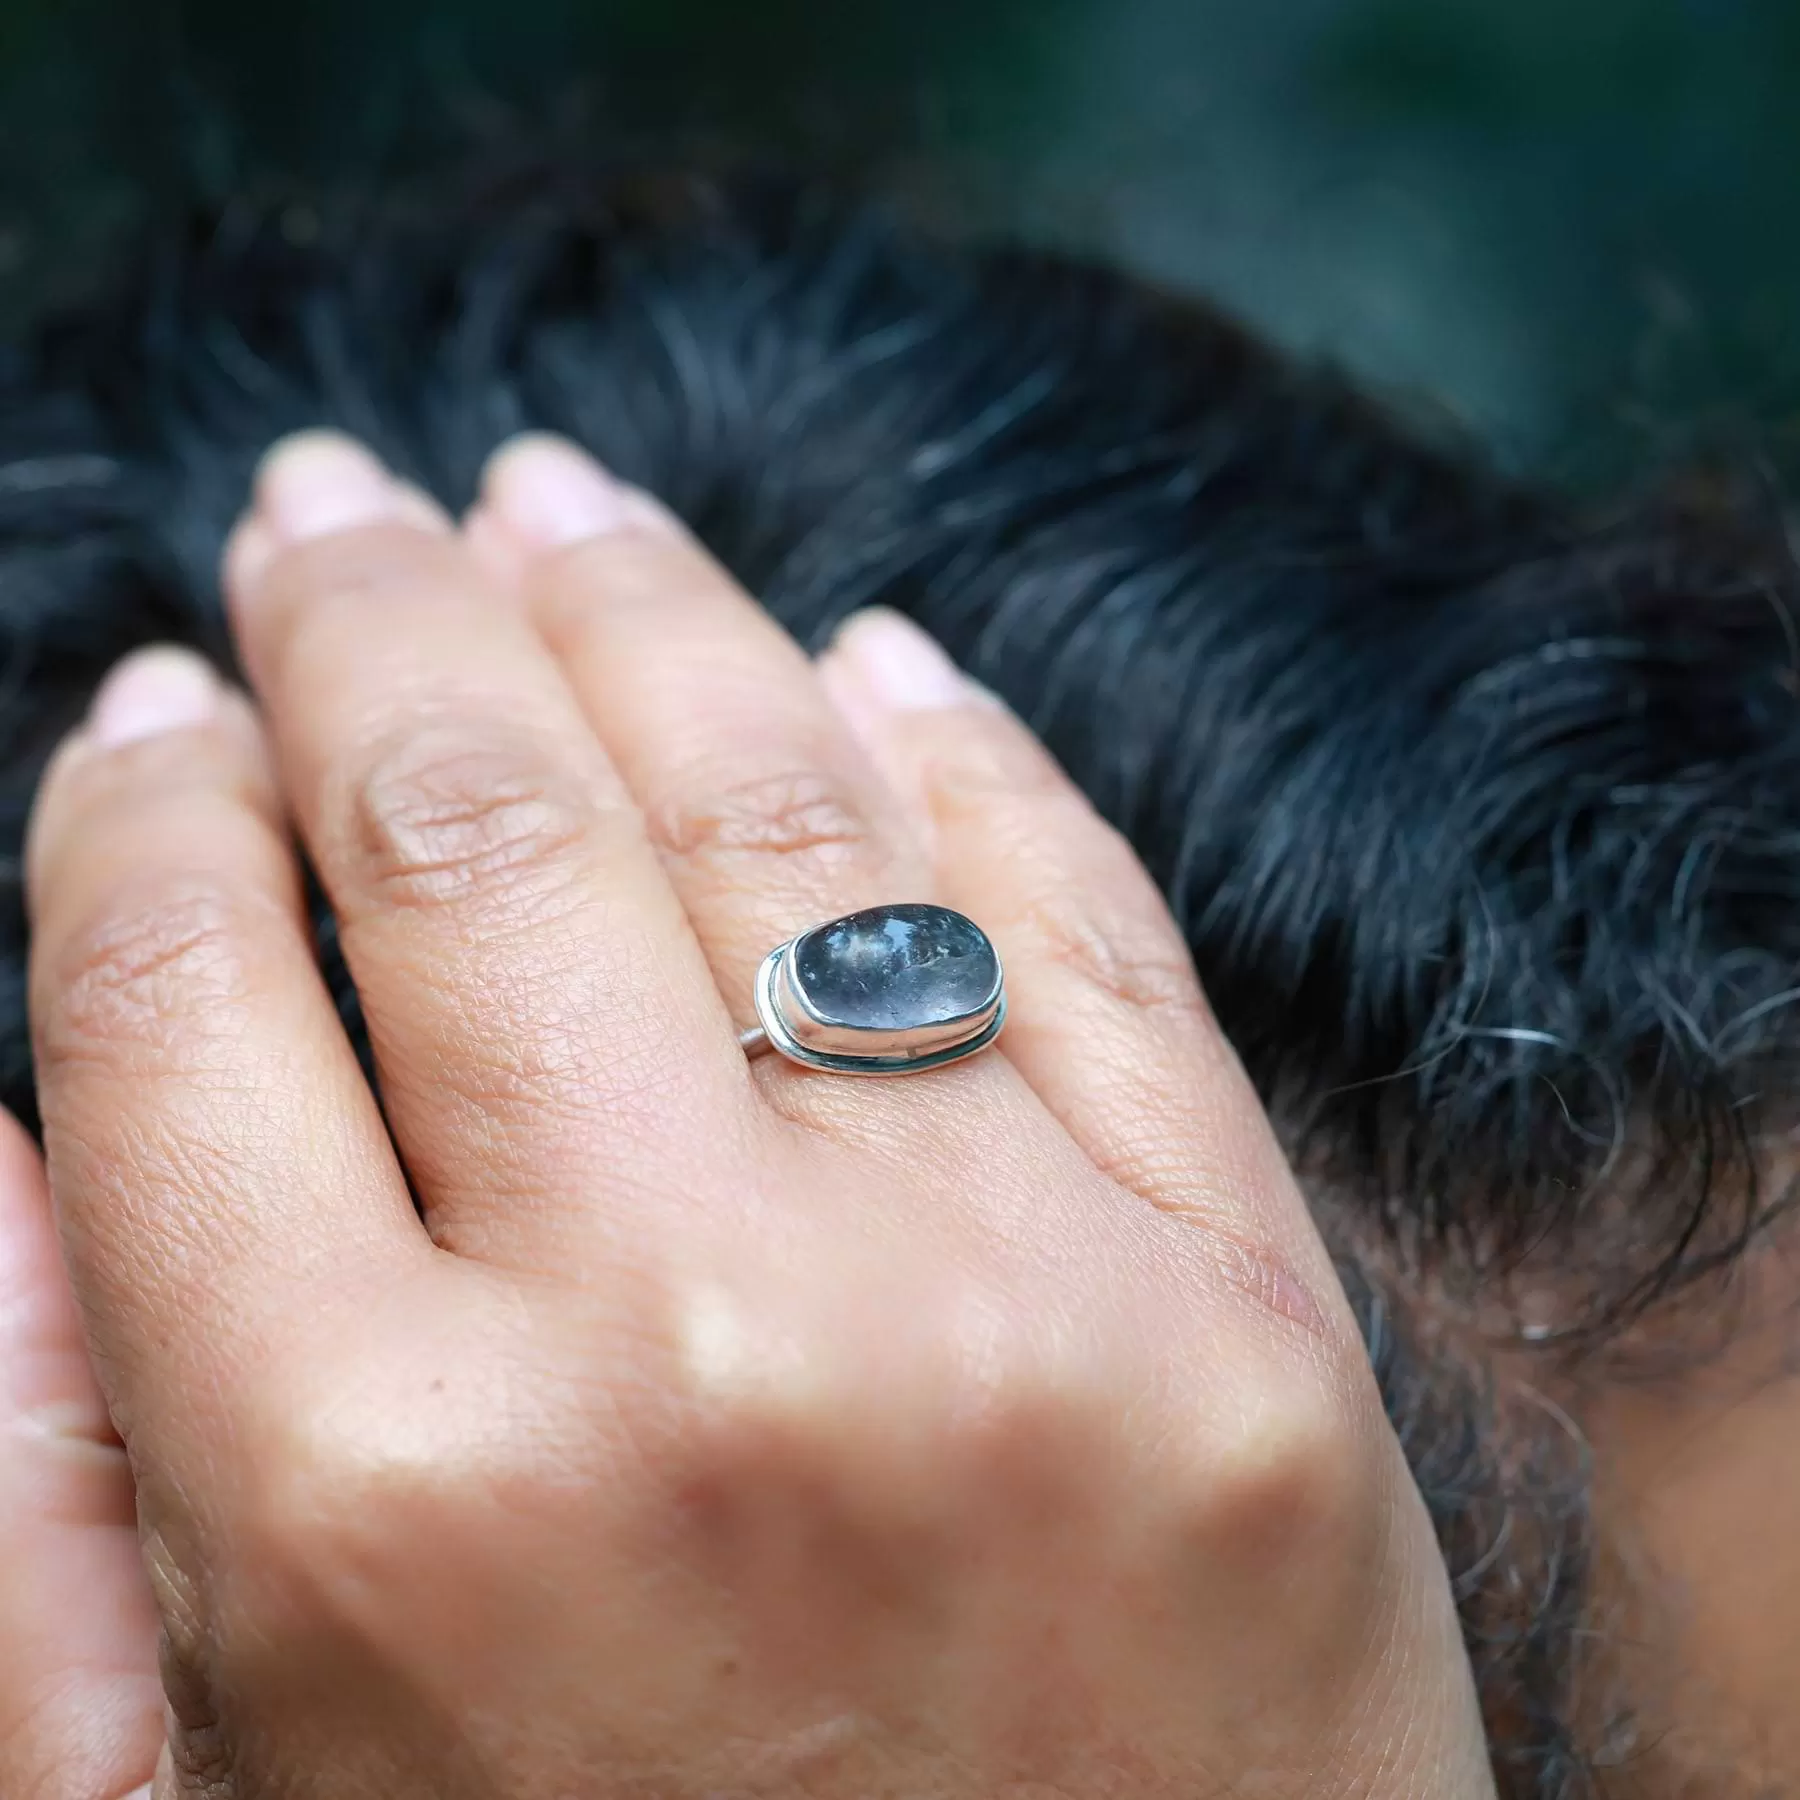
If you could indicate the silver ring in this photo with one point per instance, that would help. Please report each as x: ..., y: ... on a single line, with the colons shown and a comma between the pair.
x: 889, y: 991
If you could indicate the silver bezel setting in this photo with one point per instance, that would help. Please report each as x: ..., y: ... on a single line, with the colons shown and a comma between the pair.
x: 793, y: 1028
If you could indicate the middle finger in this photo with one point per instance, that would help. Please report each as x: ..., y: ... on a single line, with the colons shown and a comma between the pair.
x: 536, y: 1000
x: 769, y: 814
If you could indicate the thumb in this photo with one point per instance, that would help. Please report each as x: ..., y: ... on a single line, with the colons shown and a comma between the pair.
x: 80, y: 1703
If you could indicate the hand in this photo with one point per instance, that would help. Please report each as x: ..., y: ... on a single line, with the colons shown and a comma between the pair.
x: 721, y: 1427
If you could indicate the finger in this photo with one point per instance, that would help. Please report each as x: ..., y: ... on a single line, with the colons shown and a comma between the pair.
x: 1105, y: 1017
x: 534, y: 994
x: 80, y: 1701
x: 220, y: 1170
x: 766, y: 811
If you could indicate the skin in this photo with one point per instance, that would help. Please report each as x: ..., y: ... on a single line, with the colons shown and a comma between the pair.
x: 1695, y: 1496
x: 721, y: 1428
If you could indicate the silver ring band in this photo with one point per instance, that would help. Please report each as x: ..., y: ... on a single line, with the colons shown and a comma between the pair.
x: 892, y: 990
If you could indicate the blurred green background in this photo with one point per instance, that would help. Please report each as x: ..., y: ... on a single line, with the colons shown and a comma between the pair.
x: 1564, y: 226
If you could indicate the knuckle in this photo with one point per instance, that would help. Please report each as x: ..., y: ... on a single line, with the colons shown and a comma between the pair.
x: 1291, y: 1476
x: 157, y: 974
x: 1121, y: 964
x: 1258, y: 1270
x: 325, y: 1519
x: 789, y: 813
x: 945, y: 1412
x: 826, y: 1488
x: 1030, y: 1428
x: 987, y: 765
x: 439, y: 819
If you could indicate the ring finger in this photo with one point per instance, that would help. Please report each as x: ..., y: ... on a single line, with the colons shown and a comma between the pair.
x: 768, y: 814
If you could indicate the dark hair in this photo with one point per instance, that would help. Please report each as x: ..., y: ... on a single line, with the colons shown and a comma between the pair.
x: 1483, y: 819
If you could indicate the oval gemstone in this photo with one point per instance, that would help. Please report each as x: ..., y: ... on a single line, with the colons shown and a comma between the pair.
x: 893, y: 968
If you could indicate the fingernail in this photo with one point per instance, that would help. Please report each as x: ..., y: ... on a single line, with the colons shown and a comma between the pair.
x: 318, y: 482
x: 900, y: 667
x: 549, y: 493
x: 152, y: 691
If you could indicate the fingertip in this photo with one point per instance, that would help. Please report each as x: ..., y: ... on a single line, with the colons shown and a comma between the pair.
x: 162, y: 717
x: 882, y: 672
x: 316, y: 482
x: 546, y: 492
x: 153, y: 690
x: 310, y: 443
x: 159, y: 688
x: 899, y: 667
x: 312, y: 484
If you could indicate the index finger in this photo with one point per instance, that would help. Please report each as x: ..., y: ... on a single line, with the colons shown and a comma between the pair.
x: 219, y: 1167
